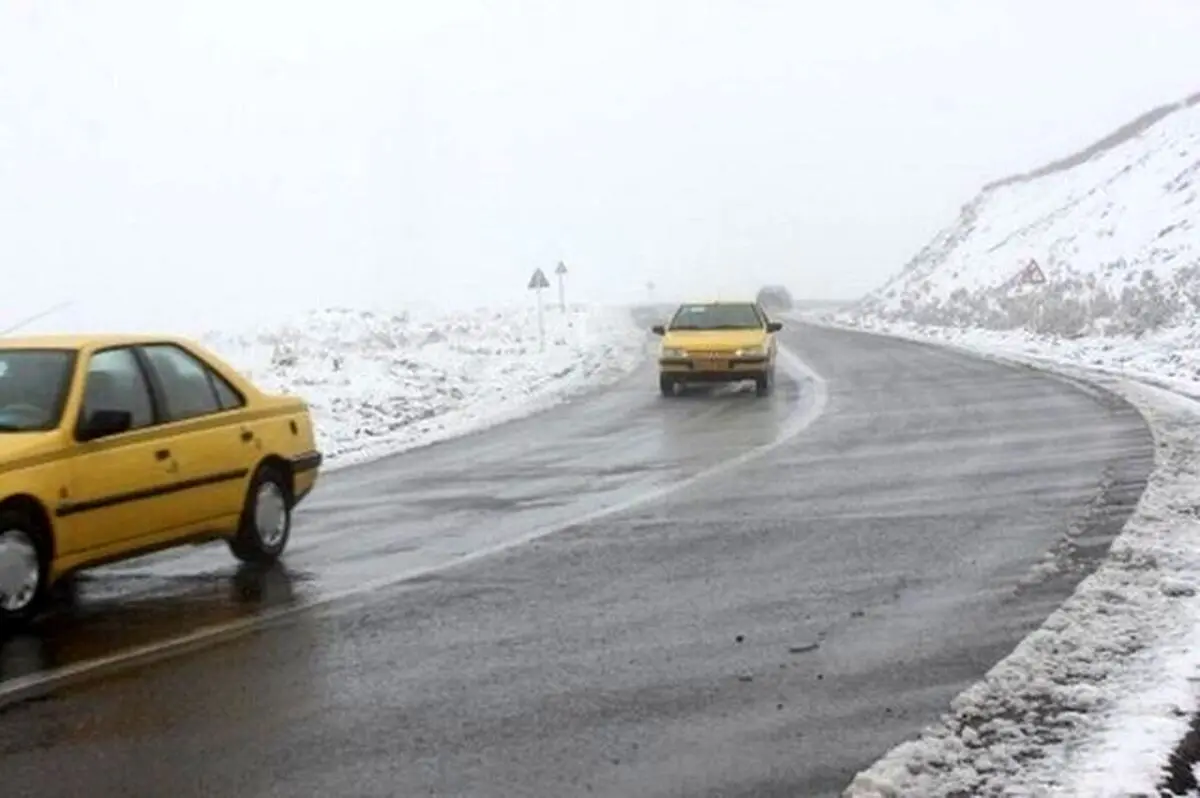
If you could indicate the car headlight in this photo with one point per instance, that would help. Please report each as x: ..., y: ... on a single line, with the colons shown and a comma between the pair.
x: 751, y: 351
x: 668, y: 351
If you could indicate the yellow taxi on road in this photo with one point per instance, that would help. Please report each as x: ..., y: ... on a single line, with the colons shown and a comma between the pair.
x: 116, y: 446
x: 715, y: 342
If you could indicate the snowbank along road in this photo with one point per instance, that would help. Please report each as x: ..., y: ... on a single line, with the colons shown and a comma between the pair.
x: 740, y: 597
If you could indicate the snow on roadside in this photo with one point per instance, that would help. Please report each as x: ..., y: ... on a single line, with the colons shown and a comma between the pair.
x: 383, y: 383
x: 1168, y: 357
x: 1092, y: 703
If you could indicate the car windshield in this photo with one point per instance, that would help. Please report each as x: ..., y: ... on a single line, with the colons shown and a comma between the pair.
x: 716, y: 317
x: 33, y: 388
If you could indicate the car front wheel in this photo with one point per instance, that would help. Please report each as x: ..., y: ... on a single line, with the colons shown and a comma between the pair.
x: 22, y: 570
x: 266, y: 520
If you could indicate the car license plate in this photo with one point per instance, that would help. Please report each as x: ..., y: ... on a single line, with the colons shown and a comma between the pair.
x: 711, y: 364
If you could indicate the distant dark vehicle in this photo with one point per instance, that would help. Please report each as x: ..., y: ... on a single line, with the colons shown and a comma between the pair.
x: 775, y: 297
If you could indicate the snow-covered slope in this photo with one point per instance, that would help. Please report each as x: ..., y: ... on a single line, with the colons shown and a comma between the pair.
x: 1117, y: 235
x: 1093, y: 703
x: 380, y: 383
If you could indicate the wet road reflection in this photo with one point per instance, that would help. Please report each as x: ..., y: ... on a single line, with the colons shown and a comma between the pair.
x: 149, y: 715
x: 99, y: 616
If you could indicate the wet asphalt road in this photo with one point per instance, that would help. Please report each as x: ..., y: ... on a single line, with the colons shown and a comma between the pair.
x: 767, y: 630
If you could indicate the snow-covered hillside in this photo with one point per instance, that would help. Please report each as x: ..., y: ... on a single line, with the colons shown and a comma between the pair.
x: 380, y: 383
x: 1093, y: 703
x: 1117, y: 237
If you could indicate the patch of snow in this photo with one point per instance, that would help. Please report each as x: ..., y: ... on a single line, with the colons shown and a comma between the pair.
x: 380, y: 383
x: 1169, y: 358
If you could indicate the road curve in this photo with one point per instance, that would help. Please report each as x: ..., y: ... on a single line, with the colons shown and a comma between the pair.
x: 768, y: 629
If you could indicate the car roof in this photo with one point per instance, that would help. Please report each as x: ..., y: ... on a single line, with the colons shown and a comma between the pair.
x: 77, y: 341
x: 719, y: 302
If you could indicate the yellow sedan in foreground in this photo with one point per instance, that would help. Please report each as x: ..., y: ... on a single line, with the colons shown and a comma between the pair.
x: 715, y: 342
x: 116, y: 446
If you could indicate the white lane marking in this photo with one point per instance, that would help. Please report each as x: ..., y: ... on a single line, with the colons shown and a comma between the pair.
x: 805, y: 411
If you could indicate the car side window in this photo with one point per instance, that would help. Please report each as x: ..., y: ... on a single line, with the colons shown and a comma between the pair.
x: 115, y: 381
x: 227, y: 395
x: 189, y: 387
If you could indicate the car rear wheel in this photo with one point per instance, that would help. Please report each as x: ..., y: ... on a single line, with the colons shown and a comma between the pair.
x: 266, y: 520
x: 666, y: 385
x: 23, y: 569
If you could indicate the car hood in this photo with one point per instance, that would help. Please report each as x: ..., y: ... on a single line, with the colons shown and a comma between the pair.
x: 714, y: 340
x: 17, y: 446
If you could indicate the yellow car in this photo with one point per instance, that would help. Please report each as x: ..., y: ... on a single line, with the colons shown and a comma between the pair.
x: 714, y: 342
x: 116, y: 446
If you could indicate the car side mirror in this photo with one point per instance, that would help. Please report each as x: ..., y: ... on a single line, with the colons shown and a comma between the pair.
x: 774, y: 326
x: 658, y: 329
x: 102, y: 423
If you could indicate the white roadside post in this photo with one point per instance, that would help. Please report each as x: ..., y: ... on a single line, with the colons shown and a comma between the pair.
x: 561, y: 272
x: 536, y: 283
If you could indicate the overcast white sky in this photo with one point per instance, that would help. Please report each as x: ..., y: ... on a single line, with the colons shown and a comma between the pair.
x: 170, y: 161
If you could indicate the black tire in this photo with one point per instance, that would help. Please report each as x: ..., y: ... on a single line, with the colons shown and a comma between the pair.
x: 25, y: 531
x: 666, y: 385
x: 762, y: 385
x: 253, y: 543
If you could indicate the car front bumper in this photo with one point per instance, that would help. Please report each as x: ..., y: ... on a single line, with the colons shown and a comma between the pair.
x: 733, y: 369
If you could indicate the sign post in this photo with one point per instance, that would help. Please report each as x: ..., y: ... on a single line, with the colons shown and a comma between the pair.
x: 1032, y: 274
x: 536, y: 283
x: 561, y: 272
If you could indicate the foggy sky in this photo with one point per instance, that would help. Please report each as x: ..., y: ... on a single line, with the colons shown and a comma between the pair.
x: 200, y: 162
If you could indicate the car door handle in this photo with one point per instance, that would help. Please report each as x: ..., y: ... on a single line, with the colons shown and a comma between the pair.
x: 247, y: 436
x: 162, y: 454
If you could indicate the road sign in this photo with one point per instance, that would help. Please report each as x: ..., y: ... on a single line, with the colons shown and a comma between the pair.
x: 562, y: 268
x: 536, y: 283
x: 1033, y: 274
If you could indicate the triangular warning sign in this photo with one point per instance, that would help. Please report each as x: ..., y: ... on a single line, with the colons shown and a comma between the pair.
x: 1033, y: 274
x: 562, y: 268
x: 538, y: 280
